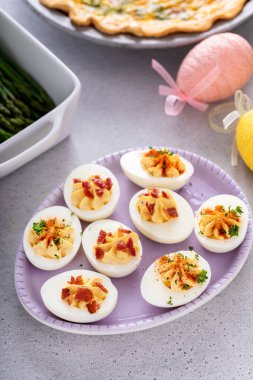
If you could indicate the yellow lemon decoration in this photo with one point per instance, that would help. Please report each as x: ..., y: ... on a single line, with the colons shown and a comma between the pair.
x: 244, y: 138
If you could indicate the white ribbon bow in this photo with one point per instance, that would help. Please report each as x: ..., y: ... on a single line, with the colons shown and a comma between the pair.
x: 242, y: 104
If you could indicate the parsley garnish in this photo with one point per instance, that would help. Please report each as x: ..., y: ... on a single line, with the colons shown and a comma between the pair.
x: 196, y: 256
x: 170, y: 301
x: 72, y: 213
x: 39, y: 227
x: 233, y: 230
x: 57, y: 241
x: 171, y: 153
x: 237, y: 211
x: 190, y: 248
x: 186, y: 286
x: 56, y: 256
x: 202, y: 276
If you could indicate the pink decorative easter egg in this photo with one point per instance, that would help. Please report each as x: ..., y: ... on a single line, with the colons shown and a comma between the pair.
x: 231, y: 53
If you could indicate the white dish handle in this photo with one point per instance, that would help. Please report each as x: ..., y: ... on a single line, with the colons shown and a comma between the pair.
x: 55, y: 120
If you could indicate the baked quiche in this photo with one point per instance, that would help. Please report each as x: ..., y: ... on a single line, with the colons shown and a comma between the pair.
x: 147, y: 18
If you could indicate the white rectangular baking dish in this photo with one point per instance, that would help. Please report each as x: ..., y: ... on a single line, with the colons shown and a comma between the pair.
x: 55, y: 77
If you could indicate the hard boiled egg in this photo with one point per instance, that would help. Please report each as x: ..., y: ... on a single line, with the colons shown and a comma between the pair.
x: 164, y: 286
x: 157, y: 176
x: 221, y: 223
x: 173, y: 231
x: 80, y: 296
x: 112, y: 256
x: 52, y: 238
x: 92, y: 192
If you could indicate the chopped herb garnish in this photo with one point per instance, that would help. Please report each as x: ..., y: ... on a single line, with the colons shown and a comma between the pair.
x: 186, y: 286
x: 190, y: 248
x: 57, y: 241
x: 171, y: 153
x: 202, y: 276
x: 39, y: 227
x: 170, y: 301
x: 239, y: 210
x: 201, y: 232
x: 57, y: 256
x: 81, y: 233
x: 72, y: 213
x: 233, y: 230
x: 196, y: 256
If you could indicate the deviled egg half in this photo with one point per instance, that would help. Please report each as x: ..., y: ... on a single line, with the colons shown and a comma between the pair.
x: 52, y: 238
x: 175, y: 279
x: 162, y: 215
x: 221, y: 223
x: 92, y: 192
x: 159, y: 168
x: 112, y: 248
x: 80, y: 296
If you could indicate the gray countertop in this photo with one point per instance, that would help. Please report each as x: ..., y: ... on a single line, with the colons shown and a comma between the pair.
x: 120, y: 108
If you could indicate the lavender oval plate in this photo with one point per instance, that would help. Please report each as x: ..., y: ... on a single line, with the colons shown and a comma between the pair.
x: 132, y: 313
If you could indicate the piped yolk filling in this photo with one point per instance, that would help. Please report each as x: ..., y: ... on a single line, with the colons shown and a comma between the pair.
x: 181, y: 272
x: 157, y: 206
x: 91, y: 194
x: 119, y: 247
x: 219, y: 223
x: 84, y: 293
x: 52, y: 238
x: 162, y: 163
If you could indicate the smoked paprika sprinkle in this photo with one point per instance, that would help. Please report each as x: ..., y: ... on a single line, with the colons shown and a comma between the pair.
x: 162, y: 163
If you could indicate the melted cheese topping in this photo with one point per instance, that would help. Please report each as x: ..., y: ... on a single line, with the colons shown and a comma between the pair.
x: 162, y: 163
x: 219, y: 223
x: 52, y: 238
x: 91, y: 194
x: 119, y: 247
x: 157, y: 206
x: 144, y: 10
x: 84, y: 293
x: 180, y: 273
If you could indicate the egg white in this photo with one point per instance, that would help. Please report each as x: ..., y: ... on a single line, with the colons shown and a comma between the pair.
x: 131, y: 166
x: 226, y: 245
x: 83, y: 172
x: 51, y: 296
x: 89, y: 239
x: 173, y: 231
x: 156, y: 293
x: 51, y: 212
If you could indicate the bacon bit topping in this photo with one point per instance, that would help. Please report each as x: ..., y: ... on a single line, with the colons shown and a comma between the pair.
x: 65, y: 293
x: 76, y: 281
x: 150, y: 207
x: 93, y: 307
x: 130, y: 246
x: 108, y: 183
x: 172, y: 212
x: 125, y: 231
x: 101, y: 237
x: 84, y: 294
x: 86, y: 189
x: 98, y: 182
x: 99, y: 253
x: 121, y: 246
x: 99, y: 285
x: 165, y: 195
x: 77, y: 180
x: 99, y: 192
x: 155, y: 193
